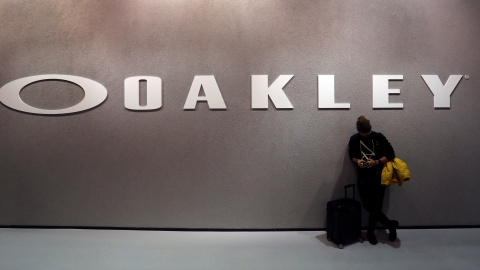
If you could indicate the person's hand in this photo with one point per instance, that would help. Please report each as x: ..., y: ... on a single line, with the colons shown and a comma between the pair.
x: 370, y: 163
x: 361, y: 163
x: 366, y: 164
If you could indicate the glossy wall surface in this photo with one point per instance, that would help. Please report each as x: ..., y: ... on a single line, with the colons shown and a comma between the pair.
x: 239, y: 167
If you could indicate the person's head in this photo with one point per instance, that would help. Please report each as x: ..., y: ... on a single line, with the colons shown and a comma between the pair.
x: 363, y: 126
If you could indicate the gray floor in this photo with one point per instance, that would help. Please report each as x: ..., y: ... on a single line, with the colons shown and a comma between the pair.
x: 50, y: 249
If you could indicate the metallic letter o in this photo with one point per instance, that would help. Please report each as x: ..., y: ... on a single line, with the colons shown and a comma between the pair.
x: 95, y: 94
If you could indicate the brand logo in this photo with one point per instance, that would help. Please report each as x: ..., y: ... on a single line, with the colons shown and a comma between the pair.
x: 261, y: 92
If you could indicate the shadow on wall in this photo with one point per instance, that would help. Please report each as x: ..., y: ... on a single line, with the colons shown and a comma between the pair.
x: 347, y: 176
x: 318, y: 207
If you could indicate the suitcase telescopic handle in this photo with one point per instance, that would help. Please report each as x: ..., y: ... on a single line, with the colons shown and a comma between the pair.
x: 350, y: 186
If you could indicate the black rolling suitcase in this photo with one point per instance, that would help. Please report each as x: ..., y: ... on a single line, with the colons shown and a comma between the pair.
x: 344, y: 220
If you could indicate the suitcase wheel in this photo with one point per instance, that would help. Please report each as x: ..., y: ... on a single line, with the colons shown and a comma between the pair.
x: 360, y: 240
x: 340, y: 246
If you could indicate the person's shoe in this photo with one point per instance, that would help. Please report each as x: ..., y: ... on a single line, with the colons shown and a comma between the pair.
x: 372, y: 239
x: 392, y: 229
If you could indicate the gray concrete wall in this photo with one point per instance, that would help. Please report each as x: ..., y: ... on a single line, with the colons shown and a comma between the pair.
x: 234, y: 168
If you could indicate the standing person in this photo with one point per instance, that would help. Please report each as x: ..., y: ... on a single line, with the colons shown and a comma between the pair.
x: 369, y: 150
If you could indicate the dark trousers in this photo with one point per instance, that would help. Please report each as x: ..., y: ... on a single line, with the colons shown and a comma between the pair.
x: 372, y: 194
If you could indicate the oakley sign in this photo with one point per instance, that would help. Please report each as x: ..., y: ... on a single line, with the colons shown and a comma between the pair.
x: 261, y: 92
